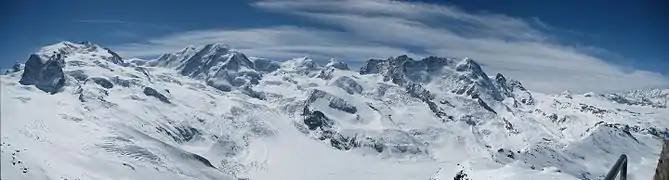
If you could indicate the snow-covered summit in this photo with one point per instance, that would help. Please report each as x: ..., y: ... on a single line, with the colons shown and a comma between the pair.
x: 66, y: 48
x: 216, y: 64
x: 300, y: 65
x: 654, y: 97
x: 459, y: 76
x: 55, y: 66
x: 337, y: 64
x: 211, y: 112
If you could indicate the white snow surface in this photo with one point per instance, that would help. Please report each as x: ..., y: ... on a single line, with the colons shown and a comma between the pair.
x: 402, y: 122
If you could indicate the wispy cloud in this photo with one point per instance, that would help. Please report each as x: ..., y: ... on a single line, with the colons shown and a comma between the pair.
x: 125, y: 23
x: 360, y: 29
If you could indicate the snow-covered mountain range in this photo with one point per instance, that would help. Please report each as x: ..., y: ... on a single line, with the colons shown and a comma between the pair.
x: 80, y: 111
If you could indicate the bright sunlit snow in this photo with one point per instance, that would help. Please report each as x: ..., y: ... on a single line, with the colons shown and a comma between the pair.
x: 79, y: 111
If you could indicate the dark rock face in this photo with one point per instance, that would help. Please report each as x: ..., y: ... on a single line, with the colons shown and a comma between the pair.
x: 102, y: 82
x: 475, y: 82
x: 265, y: 65
x: 417, y: 91
x: 662, y: 133
x: 348, y: 84
x: 395, y: 141
x: 334, y: 102
x: 125, y: 82
x: 469, y: 79
x: 46, y: 75
x: 318, y: 122
x: 199, y: 158
x: 485, y: 106
x: 662, y: 170
x: 325, y: 74
x: 227, y: 67
x: 392, y: 69
x: 656, y: 98
x: 152, y: 92
x: 179, y: 133
x: 337, y: 65
x: 253, y: 93
x: 116, y: 59
x: 461, y: 175
x: 592, y: 109
x: 79, y: 75
x: 317, y: 119
x: 403, y: 68
x: 342, y: 105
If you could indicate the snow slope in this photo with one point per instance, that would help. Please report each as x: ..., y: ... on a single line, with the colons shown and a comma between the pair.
x: 79, y: 111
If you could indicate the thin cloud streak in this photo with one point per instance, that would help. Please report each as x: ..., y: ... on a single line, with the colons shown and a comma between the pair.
x: 362, y: 29
x: 126, y: 23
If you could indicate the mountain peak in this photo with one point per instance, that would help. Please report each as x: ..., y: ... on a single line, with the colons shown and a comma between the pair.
x: 85, y: 48
x: 217, y: 47
x: 463, y: 77
x: 170, y: 122
x: 47, y: 68
x: 217, y: 64
x: 334, y: 63
x: 499, y: 77
x: 301, y: 64
x: 468, y: 64
x: 87, y: 43
x: 63, y: 47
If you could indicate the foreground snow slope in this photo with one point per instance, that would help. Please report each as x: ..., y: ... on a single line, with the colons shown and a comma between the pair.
x: 79, y: 111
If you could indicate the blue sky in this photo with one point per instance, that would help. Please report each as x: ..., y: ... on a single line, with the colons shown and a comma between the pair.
x: 551, y: 45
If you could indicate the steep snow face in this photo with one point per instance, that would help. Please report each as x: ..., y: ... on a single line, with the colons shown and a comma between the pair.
x: 46, y: 69
x: 300, y: 66
x: 264, y: 65
x: 437, y: 81
x: 112, y: 121
x: 463, y: 77
x: 410, y: 121
x: 216, y: 64
x: 657, y: 98
x: 334, y: 63
x: 436, y: 118
x: 84, y: 51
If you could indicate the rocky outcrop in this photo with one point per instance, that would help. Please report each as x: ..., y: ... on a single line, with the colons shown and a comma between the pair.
x: 662, y: 170
x: 333, y: 101
x: 337, y: 64
x: 656, y: 98
x: 513, y: 89
x: 104, y: 82
x: 217, y: 65
x: 152, y: 92
x: 348, y: 84
x: 265, y: 65
x: 463, y: 78
x: 46, y: 74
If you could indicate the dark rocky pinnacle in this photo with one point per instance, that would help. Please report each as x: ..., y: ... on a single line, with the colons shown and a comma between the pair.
x: 662, y: 170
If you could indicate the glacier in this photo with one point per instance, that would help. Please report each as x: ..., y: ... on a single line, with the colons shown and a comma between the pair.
x: 81, y: 111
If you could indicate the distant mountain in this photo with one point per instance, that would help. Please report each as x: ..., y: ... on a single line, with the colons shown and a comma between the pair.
x: 80, y: 111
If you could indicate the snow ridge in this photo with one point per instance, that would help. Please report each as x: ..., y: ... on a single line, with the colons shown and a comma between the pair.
x: 211, y: 112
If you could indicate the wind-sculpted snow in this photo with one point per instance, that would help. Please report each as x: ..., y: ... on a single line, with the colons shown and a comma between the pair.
x: 656, y: 98
x: 217, y: 65
x: 212, y: 113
